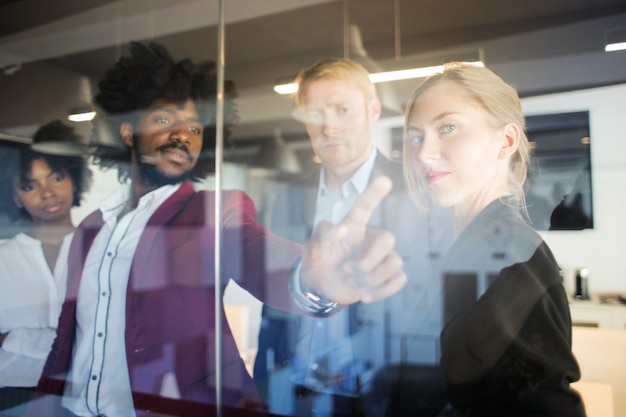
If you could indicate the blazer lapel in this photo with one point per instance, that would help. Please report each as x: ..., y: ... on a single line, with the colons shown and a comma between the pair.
x: 311, y: 187
x: 382, y: 166
x: 161, y: 217
x: 381, y: 215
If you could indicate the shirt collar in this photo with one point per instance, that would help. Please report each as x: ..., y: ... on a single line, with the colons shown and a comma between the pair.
x: 357, y: 182
x: 113, y: 205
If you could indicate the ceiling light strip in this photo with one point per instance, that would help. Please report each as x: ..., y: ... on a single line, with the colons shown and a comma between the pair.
x: 81, y: 117
x: 612, y: 47
x: 386, y: 76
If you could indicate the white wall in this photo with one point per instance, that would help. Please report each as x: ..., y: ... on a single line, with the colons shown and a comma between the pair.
x: 602, y: 249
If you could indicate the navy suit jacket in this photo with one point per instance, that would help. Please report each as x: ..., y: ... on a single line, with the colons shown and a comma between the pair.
x: 170, y: 301
x: 403, y: 328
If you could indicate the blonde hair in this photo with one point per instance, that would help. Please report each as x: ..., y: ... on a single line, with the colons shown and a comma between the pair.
x: 335, y: 69
x: 501, y: 103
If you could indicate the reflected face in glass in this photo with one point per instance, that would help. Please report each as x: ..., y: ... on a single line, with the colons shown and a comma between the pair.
x: 339, y: 120
x: 167, y: 142
x: 45, y: 194
x: 455, y: 150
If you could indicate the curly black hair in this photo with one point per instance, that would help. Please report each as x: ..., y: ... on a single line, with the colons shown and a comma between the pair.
x: 16, y: 162
x: 135, y: 82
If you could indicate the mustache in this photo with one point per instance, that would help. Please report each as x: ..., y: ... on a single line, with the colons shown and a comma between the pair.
x: 173, y: 145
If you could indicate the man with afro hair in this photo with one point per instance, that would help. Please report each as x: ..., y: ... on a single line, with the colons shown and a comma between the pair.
x: 140, y: 307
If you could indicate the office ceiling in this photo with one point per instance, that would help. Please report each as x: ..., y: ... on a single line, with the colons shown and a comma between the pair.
x: 45, y: 44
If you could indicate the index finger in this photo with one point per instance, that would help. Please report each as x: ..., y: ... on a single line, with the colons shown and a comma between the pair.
x: 368, y: 201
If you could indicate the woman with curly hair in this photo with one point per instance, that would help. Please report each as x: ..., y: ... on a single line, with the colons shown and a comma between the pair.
x: 37, y: 190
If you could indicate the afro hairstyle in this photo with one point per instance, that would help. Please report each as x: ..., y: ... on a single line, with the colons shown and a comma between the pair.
x: 136, y: 81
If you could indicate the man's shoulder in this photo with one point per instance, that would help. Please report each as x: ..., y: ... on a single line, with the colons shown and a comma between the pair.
x: 306, y: 179
x: 202, y: 204
x: 390, y: 168
x: 228, y: 196
x: 189, y: 195
x: 93, y: 219
x: 296, y: 188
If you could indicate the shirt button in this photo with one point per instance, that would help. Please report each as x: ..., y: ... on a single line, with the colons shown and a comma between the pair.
x: 104, y: 294
x: 100, y: 334
x: 109, y: 254
x: 94, y: 377
x: 320, y: 324
x: 314, y: 366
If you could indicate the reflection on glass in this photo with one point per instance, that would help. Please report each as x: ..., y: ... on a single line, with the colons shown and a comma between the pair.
x: 53, y: 55
x: 350, y: 363
x: 559, y: 194
x: 37, y: 193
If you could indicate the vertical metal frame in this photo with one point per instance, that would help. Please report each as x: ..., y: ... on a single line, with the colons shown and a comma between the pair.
x: 219, y: 156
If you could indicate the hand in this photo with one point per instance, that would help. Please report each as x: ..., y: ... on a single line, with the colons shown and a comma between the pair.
x: 348, y: 262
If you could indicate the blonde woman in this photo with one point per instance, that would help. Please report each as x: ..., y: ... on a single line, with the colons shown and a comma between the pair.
x: 506, y: 345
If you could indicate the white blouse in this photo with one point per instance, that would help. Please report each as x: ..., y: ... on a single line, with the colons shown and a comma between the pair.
x: 31, y: 296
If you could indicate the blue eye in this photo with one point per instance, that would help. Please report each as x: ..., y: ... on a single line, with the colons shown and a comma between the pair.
x: 448, y: 128
x: 314, y: 116
x: 416, y: 140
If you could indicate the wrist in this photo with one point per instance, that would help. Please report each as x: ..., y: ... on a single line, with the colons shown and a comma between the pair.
x: 307, y: 298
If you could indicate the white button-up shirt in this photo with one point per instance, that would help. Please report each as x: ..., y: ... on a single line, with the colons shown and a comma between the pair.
x: 333, y: 207
x: 99, y: 383
x: 326, y: 348
x: 30, y: 303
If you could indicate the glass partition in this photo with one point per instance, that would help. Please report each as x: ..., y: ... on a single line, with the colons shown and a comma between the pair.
x: 155, y: 254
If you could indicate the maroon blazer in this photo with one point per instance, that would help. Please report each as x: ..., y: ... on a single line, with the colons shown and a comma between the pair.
x: 170, y: 300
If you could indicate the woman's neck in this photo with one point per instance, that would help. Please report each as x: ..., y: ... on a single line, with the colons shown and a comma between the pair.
x: 51, y: 234
x: 463, y: 215
x: 465, y: 211
x: 51, y: 238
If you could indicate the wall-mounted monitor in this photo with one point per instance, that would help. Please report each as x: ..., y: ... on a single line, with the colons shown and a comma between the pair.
x: 559, y: 192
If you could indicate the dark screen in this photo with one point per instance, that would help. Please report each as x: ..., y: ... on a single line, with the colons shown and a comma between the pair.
x: 559, y: 193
